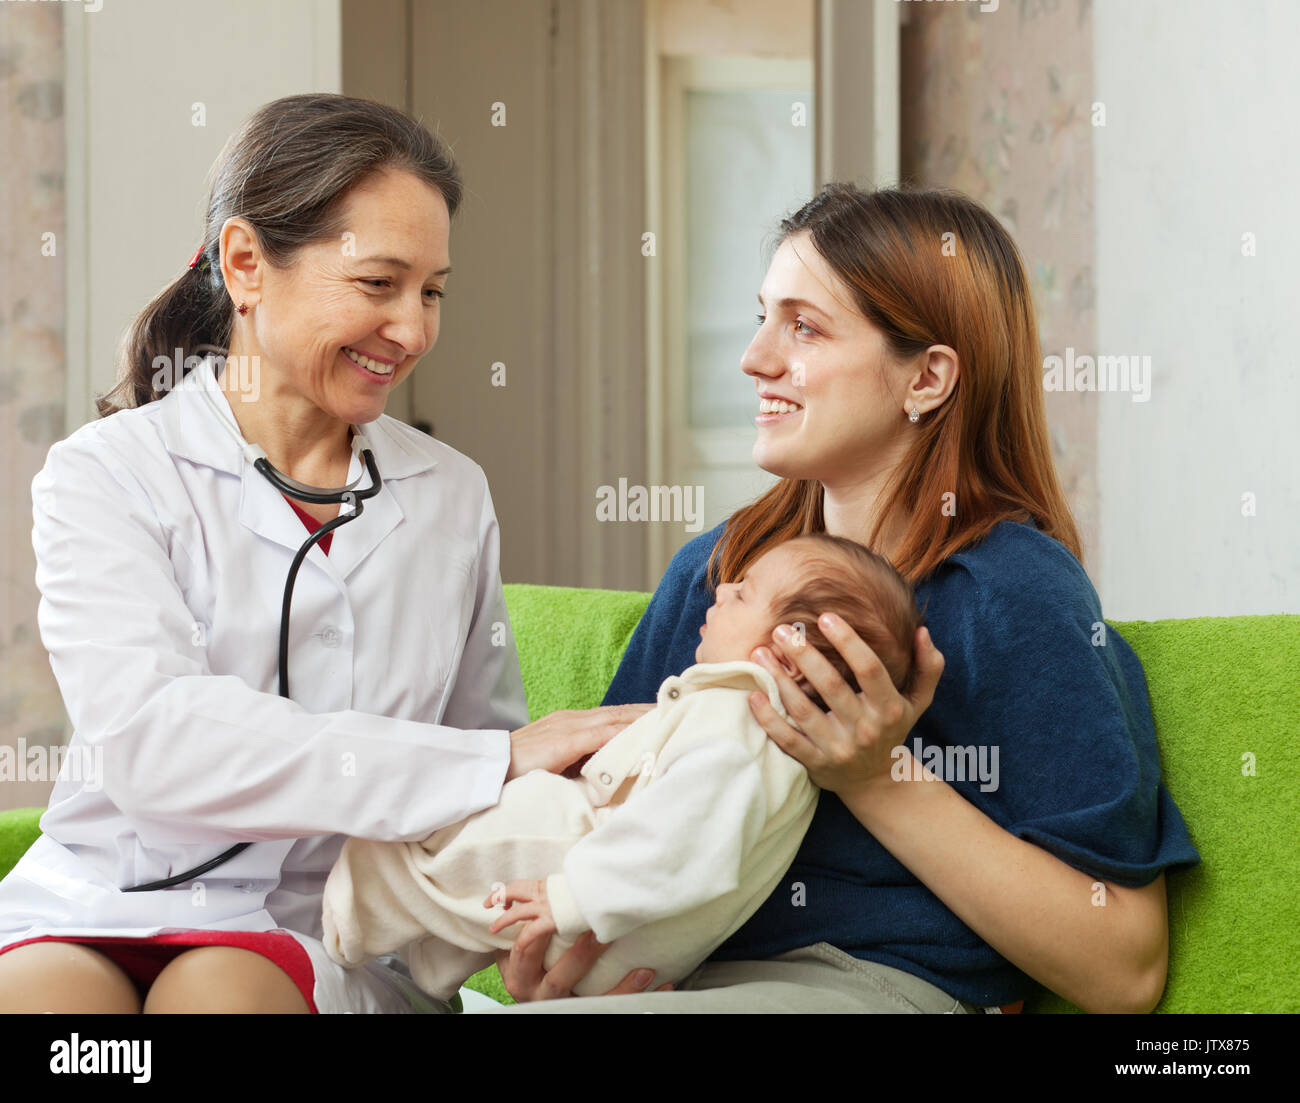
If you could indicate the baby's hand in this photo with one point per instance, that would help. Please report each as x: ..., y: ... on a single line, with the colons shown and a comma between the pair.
x: 525, y: 902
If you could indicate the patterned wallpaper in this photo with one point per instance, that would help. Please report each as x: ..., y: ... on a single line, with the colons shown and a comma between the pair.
x: 31, y: 365
x: 998, y: 105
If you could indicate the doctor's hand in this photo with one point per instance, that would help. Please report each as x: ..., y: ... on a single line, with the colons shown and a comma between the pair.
x: 557, y: 741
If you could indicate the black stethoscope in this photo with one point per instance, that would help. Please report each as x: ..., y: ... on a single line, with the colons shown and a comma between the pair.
x: 301, y: 492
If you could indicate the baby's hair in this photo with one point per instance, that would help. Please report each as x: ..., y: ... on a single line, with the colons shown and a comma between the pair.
x: 867, y: 593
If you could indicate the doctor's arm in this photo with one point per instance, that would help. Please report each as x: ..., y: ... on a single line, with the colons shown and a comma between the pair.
x: 488, y: 691
x: 193, y: 756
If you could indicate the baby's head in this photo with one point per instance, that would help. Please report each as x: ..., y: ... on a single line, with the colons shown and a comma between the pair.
x: 794, y: 584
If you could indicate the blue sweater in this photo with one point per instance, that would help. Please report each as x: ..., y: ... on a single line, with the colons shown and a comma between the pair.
x: 1078, y: 770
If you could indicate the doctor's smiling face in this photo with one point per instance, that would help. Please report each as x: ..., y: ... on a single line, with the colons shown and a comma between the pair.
x: 342, y: 326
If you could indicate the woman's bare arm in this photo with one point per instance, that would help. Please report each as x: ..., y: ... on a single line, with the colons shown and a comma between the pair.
x: 1101, y: 946
x: 1041, y: 914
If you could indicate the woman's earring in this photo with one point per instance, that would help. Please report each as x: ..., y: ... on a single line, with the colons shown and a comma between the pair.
x: 244, y: 310
x: 913, y: 417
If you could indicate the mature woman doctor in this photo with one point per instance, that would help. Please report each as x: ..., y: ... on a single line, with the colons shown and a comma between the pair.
x: 161, y: 559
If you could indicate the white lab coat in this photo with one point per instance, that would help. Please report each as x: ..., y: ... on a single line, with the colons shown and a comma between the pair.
x: 161, y: 561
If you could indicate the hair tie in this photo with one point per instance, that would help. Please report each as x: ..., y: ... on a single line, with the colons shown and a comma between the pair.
x: 194, y: 260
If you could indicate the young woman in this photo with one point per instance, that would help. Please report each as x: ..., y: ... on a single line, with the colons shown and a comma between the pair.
x: 1005, y: 825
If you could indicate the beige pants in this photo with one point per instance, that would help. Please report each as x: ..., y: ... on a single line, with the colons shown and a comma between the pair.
x: 813, y: 979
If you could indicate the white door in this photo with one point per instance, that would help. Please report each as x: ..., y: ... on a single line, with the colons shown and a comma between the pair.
x: 737, y: 156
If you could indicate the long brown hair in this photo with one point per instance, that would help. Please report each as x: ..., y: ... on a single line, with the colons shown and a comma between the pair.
x: 987, y: 444
x: 287, y: 171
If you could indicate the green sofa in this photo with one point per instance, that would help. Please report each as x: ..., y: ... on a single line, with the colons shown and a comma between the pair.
x: 1226, y: 698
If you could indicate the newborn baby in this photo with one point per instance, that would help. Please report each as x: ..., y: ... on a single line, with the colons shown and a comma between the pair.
x: 675, y: 832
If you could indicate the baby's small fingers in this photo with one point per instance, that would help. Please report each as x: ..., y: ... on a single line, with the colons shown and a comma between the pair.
x: 514, y: 913
x: 505, y: 895
x: 501, y: 922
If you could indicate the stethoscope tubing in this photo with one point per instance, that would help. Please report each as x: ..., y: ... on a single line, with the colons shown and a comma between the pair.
x: 316, y: 496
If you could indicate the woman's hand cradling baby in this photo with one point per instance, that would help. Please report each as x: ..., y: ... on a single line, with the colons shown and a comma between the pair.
x: 851, y: 747
x: 557, y: 741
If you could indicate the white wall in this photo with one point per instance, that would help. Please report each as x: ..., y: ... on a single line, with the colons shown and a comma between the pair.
x: 137, y: 164
x: 1201, y: 100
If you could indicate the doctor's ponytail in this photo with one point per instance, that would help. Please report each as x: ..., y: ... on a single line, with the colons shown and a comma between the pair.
x: 287, y: 171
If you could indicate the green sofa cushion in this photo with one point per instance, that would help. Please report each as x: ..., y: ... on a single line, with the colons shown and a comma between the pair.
x: 1225, y: 697
x: 18, y: 830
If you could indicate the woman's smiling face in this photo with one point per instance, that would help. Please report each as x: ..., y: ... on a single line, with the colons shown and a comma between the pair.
x: 814, y: 350
x: 374, y: 293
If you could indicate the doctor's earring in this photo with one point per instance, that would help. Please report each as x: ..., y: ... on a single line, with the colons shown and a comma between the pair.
x: 244, y: 310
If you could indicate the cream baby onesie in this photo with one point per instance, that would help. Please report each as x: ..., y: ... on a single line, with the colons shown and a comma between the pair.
x: 677, y: 831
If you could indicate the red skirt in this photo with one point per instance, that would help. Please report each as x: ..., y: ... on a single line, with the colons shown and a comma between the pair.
x: 142, y: 959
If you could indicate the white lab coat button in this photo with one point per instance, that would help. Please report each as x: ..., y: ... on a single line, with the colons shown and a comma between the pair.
x: 329, y: 636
